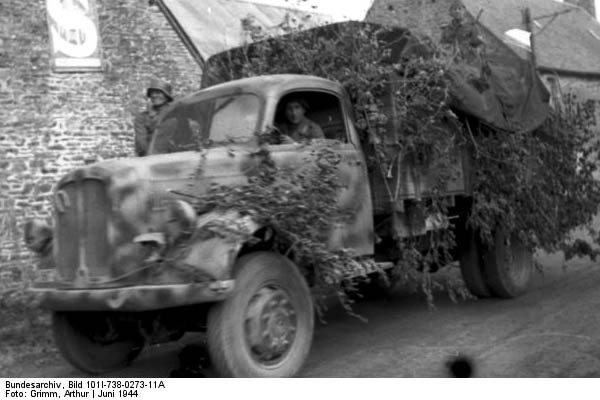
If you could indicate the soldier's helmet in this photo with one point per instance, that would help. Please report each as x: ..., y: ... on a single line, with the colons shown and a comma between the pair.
x: 162, y: 86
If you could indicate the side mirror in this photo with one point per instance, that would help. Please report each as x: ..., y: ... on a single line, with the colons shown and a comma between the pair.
x: 38, y: 235
x: 181, y: 220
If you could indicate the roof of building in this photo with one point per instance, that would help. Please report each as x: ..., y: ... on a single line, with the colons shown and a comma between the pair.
x: 570, y: 42
x: 214, y: 26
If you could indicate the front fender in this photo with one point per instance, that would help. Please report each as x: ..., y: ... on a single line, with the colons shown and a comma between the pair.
x: 214, y: 245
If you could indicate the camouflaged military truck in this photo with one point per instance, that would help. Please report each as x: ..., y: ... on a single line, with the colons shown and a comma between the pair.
x: 114, y: 219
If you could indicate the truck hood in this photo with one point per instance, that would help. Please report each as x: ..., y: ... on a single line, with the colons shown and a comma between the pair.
x: 102, y: 207
x: 188, y: 172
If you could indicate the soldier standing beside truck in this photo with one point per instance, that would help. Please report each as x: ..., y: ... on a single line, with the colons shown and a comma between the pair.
x: 160, y: 95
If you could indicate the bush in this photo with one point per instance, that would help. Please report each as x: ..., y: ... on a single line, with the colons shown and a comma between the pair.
x: 299, y: 205
x: 24, y: 327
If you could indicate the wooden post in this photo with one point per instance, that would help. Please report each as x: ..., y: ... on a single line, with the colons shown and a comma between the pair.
x: 529, y: 28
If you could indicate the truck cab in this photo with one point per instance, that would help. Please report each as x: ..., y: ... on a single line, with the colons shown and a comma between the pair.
x: 230, y: 115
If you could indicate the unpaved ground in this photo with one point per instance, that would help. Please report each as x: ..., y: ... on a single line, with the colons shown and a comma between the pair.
x: 553, y: 331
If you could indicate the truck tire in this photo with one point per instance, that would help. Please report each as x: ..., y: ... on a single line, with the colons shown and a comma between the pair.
x: 508, y: 266
x: 90, y: 342
x: 265, y: 328
x: 471, y: 267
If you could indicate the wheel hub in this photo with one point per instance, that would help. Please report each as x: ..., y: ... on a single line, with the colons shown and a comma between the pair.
x: 270, y: 325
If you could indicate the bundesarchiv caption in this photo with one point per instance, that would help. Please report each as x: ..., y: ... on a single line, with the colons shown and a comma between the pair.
x: 50, y: 389
x: 77, y: 389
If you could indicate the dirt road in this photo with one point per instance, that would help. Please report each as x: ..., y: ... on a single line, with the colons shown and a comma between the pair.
x: 553, y: 331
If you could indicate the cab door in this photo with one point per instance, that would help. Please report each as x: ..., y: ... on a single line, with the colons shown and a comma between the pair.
x: 332, y: 116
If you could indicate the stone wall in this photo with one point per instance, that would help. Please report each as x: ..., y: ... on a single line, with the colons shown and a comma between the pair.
x: 583, y: 88
x: 52, y: 122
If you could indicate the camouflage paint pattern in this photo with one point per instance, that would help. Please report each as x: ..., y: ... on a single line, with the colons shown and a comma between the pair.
x: 133, y: 298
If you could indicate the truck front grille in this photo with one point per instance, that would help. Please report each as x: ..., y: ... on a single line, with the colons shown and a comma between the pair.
x: 81, y: 213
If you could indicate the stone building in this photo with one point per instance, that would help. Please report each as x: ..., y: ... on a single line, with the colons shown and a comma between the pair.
x: 58, y: 113
x: 54, y: 121
x: 567, y: 36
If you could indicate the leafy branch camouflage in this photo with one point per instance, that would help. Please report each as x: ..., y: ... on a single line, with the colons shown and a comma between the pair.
x: 538, y: 185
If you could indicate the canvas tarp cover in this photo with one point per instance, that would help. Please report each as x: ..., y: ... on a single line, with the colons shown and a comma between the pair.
x: 511, y: 97
x: 502, y: 92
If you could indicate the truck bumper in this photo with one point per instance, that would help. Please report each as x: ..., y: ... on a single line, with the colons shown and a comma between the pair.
x: 133, y: 298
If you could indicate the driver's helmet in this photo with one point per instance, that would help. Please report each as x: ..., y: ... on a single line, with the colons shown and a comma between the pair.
x: 162, y: 86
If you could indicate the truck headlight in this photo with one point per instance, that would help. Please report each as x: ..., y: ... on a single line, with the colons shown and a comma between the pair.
x: 38, y: 235
x: 181, y: 220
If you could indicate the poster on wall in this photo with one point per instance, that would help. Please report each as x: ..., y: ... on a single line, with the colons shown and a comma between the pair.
x: 74, y: 35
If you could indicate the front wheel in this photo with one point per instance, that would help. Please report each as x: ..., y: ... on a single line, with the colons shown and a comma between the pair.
x: 508, y: 266
x: 265, y: 328
x: 95, y: 342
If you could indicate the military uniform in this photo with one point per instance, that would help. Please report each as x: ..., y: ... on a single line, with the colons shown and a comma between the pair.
x: 303, y: 132
x: 145, y: 122
x: 144, y: 125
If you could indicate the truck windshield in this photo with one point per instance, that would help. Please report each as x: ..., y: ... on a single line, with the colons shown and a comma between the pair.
x: 207, y: 123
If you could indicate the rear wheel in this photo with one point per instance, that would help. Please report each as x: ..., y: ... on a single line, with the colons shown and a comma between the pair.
x: 265, y: 328
x: 508, y: 266
x: 471, y: 266
x: 95, y: 342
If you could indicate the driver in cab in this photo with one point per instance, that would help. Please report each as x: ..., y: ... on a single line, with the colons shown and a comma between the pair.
x: 298, y: 128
